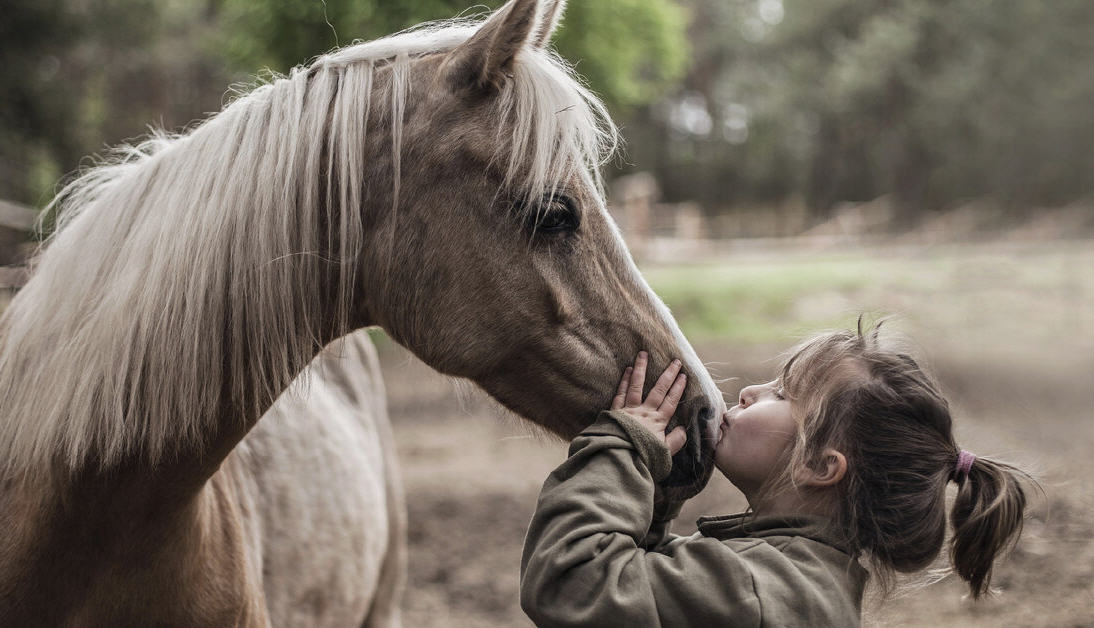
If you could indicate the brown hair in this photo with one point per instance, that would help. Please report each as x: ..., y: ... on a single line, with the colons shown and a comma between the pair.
x: 887, y: 416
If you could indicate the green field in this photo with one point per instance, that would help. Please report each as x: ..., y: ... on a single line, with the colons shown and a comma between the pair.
x: 983, y: 294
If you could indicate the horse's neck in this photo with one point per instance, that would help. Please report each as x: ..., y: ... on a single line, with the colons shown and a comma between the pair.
x: 184, y: 317
x: 77, y: 542
x: 97, y: 546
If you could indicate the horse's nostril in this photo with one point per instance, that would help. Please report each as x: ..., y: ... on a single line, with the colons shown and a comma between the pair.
x: 692, y: 465
x: 705, y: 425
x: 706, y: 414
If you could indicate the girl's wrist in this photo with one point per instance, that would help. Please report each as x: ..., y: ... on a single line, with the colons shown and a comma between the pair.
x: 651, y: 451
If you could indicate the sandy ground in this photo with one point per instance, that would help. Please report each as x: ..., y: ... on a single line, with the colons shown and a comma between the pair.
x: 472, y: 475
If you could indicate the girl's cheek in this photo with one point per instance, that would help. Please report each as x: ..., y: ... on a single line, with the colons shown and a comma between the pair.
x: 744, y: 429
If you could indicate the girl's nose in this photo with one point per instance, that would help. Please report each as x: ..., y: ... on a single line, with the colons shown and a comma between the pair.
x: 748, y: 395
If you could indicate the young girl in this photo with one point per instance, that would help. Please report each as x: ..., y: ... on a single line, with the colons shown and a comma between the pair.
x: 846, y: 455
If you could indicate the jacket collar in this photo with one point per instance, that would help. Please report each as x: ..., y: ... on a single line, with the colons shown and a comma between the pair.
x: 746, y: 524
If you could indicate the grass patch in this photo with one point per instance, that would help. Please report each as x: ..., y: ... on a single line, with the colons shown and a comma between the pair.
x: 988, y: 293
x: 775, y: 301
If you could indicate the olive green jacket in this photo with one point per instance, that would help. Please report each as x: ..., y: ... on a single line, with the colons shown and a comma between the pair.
x: 596, y: 556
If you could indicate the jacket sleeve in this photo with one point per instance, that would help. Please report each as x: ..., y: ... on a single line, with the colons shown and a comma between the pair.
x: 584, y: 561
x: 664, y: 513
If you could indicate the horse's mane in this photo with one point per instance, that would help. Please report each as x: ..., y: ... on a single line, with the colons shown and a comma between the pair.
x: 189, y: 267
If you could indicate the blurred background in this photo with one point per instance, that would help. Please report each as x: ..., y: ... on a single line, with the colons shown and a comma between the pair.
x: 789, y: 165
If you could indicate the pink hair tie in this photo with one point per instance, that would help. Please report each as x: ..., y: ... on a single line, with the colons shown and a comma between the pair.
x: 964, y: 464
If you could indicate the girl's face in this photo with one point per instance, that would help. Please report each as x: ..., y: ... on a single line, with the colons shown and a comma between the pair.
x: 754, y: 434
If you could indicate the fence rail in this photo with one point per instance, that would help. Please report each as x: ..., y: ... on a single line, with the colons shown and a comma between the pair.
x: 16, y: 216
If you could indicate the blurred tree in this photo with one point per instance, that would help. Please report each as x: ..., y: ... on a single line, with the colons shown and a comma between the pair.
x: 30, y: 110
x: 76, y: 76
x: 932, y: 101
x: 79, y: 75
x: 815, y: 102
x: 628, y: 50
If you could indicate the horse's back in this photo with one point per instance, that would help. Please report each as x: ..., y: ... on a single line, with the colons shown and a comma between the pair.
x: 328, y: 515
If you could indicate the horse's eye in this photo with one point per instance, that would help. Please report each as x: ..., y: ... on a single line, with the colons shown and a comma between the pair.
x: 555, y: 215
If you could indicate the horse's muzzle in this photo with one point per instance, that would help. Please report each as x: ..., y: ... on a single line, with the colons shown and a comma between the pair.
x: 692, y: 465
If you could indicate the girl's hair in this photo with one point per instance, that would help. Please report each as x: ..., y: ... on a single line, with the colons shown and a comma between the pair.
x: 886, y: 415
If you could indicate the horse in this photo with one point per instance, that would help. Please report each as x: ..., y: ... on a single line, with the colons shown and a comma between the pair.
x: 168, y: 456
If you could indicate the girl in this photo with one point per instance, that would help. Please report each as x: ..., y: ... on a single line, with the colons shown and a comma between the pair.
x: 846, y: 455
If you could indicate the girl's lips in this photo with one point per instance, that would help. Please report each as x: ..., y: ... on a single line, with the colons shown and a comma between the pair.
x: 723, y: 426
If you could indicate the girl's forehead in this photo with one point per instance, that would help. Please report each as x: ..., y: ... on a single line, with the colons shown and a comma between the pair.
x: 815, y: 370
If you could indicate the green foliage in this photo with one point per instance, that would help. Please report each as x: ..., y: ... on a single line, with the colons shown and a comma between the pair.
x: 76, y: 77
x: 279, y: 34
x: 933, y: 102
x: 628, y: 50
x: 30, y: 35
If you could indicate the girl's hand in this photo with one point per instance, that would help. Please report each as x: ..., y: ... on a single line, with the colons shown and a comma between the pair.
x: 653, y: 413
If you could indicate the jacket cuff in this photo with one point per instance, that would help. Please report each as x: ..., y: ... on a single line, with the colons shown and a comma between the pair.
x: 653, y: 453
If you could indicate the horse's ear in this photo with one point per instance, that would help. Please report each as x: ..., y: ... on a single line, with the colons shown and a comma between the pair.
x: 548, y: 22
x: 486, y: 59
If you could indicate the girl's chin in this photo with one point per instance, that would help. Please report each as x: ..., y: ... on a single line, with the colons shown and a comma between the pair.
x: 726, y: 472
x: 721, y: 447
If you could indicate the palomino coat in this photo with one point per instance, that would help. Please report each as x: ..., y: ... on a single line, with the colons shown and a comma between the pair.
x: 595, y: 556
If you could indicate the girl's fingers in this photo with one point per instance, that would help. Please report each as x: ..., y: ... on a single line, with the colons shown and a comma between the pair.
x: 638, y: 380
x: 676, y: 439
x: 621, y: 391
x: 672, y: 398
x: 661, y: 386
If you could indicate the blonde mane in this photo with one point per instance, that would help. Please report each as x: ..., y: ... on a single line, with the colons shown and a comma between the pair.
x: 192, y: 267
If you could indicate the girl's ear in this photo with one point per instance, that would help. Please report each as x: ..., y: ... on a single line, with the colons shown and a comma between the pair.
x: 827, y: 471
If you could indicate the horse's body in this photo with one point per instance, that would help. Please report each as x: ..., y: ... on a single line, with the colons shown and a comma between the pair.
x: 329, y: 519
x: 302, y: 525
x: 440, y: 184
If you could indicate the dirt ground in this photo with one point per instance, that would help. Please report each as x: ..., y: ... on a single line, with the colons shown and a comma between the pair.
x: 472, y: 474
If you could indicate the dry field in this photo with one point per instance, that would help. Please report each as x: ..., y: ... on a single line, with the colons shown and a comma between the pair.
x: 1007, y: 328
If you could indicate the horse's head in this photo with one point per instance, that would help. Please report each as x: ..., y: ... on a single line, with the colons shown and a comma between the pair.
x: 493, y: 257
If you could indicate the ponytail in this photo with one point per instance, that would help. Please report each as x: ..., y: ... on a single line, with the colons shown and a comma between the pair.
x: 889, y: 418
x: 987, y: 517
